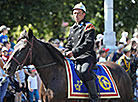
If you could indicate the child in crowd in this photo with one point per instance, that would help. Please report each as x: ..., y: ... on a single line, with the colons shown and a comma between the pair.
x: 20, y: 84
x: 32, y: 86
x: 8, y: 46
x: 3, y: 35
x: 5, y: 56
x: 103, y: 54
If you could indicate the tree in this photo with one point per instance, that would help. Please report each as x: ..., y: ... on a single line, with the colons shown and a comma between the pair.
x: 46, y: 16
x: 126, y: 18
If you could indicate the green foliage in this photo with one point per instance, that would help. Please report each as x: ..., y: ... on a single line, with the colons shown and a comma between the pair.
x: 125, y: 16
x: 45, y: 16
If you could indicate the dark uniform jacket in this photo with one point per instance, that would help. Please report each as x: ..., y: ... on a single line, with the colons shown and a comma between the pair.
x: 81, y: 40
x: 125, y: 63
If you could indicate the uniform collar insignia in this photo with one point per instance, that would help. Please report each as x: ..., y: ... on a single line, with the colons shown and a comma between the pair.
x: 79, y: 25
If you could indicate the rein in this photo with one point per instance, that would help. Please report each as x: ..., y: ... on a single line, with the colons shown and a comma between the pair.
x: 47, y: 65
x: 43, y: 66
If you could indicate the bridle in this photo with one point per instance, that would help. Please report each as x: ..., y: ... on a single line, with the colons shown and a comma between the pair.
x: 29, y: 54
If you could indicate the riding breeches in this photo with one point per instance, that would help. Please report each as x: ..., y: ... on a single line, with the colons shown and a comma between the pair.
x: 83, y: 68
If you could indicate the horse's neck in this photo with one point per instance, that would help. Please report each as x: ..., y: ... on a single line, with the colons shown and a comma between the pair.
x: 49, y: 63
x: 46, y: 53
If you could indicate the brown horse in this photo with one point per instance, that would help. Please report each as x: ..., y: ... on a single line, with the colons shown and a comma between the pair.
x: 50, y: 65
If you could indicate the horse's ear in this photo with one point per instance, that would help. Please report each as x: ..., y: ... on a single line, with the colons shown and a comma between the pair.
x: 30, y: 34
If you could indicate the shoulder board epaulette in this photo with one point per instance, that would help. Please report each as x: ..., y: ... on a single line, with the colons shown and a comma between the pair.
x: 89, y: 26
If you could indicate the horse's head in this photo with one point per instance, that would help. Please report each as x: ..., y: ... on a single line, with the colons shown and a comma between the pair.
x: 22, y: 53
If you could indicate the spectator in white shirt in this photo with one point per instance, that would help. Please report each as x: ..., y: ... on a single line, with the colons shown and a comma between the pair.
x: 33, y: 86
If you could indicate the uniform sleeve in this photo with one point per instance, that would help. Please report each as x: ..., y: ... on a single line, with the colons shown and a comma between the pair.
x: 88, y: 43
x: 69, y: 44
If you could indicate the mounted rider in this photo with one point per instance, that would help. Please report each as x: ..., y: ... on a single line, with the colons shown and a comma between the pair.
x: 81, y: 46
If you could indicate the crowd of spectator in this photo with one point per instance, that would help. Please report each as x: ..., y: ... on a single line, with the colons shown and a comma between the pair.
x: 125, y: 54
x: 25, y: 84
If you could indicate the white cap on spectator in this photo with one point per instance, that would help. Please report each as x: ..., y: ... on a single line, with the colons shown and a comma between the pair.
x: 3, y: 27
x: 4, y: 49
x: 120, y: 46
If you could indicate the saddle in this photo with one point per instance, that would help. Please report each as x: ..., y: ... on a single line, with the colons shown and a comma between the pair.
x: 105, y: 82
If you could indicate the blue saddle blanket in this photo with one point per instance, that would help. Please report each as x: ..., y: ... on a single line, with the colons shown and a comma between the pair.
x: 105, y: 82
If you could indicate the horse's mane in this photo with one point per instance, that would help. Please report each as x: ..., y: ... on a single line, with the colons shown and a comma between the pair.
x: 55, y: 53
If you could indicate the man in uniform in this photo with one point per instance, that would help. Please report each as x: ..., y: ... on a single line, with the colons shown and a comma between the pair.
x: 125, y: 59
x: 80, y: 46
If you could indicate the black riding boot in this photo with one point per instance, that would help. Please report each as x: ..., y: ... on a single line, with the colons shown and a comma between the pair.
x: 92, y: 91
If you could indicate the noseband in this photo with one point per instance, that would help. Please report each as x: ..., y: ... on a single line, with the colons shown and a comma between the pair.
x: 21, y: 64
